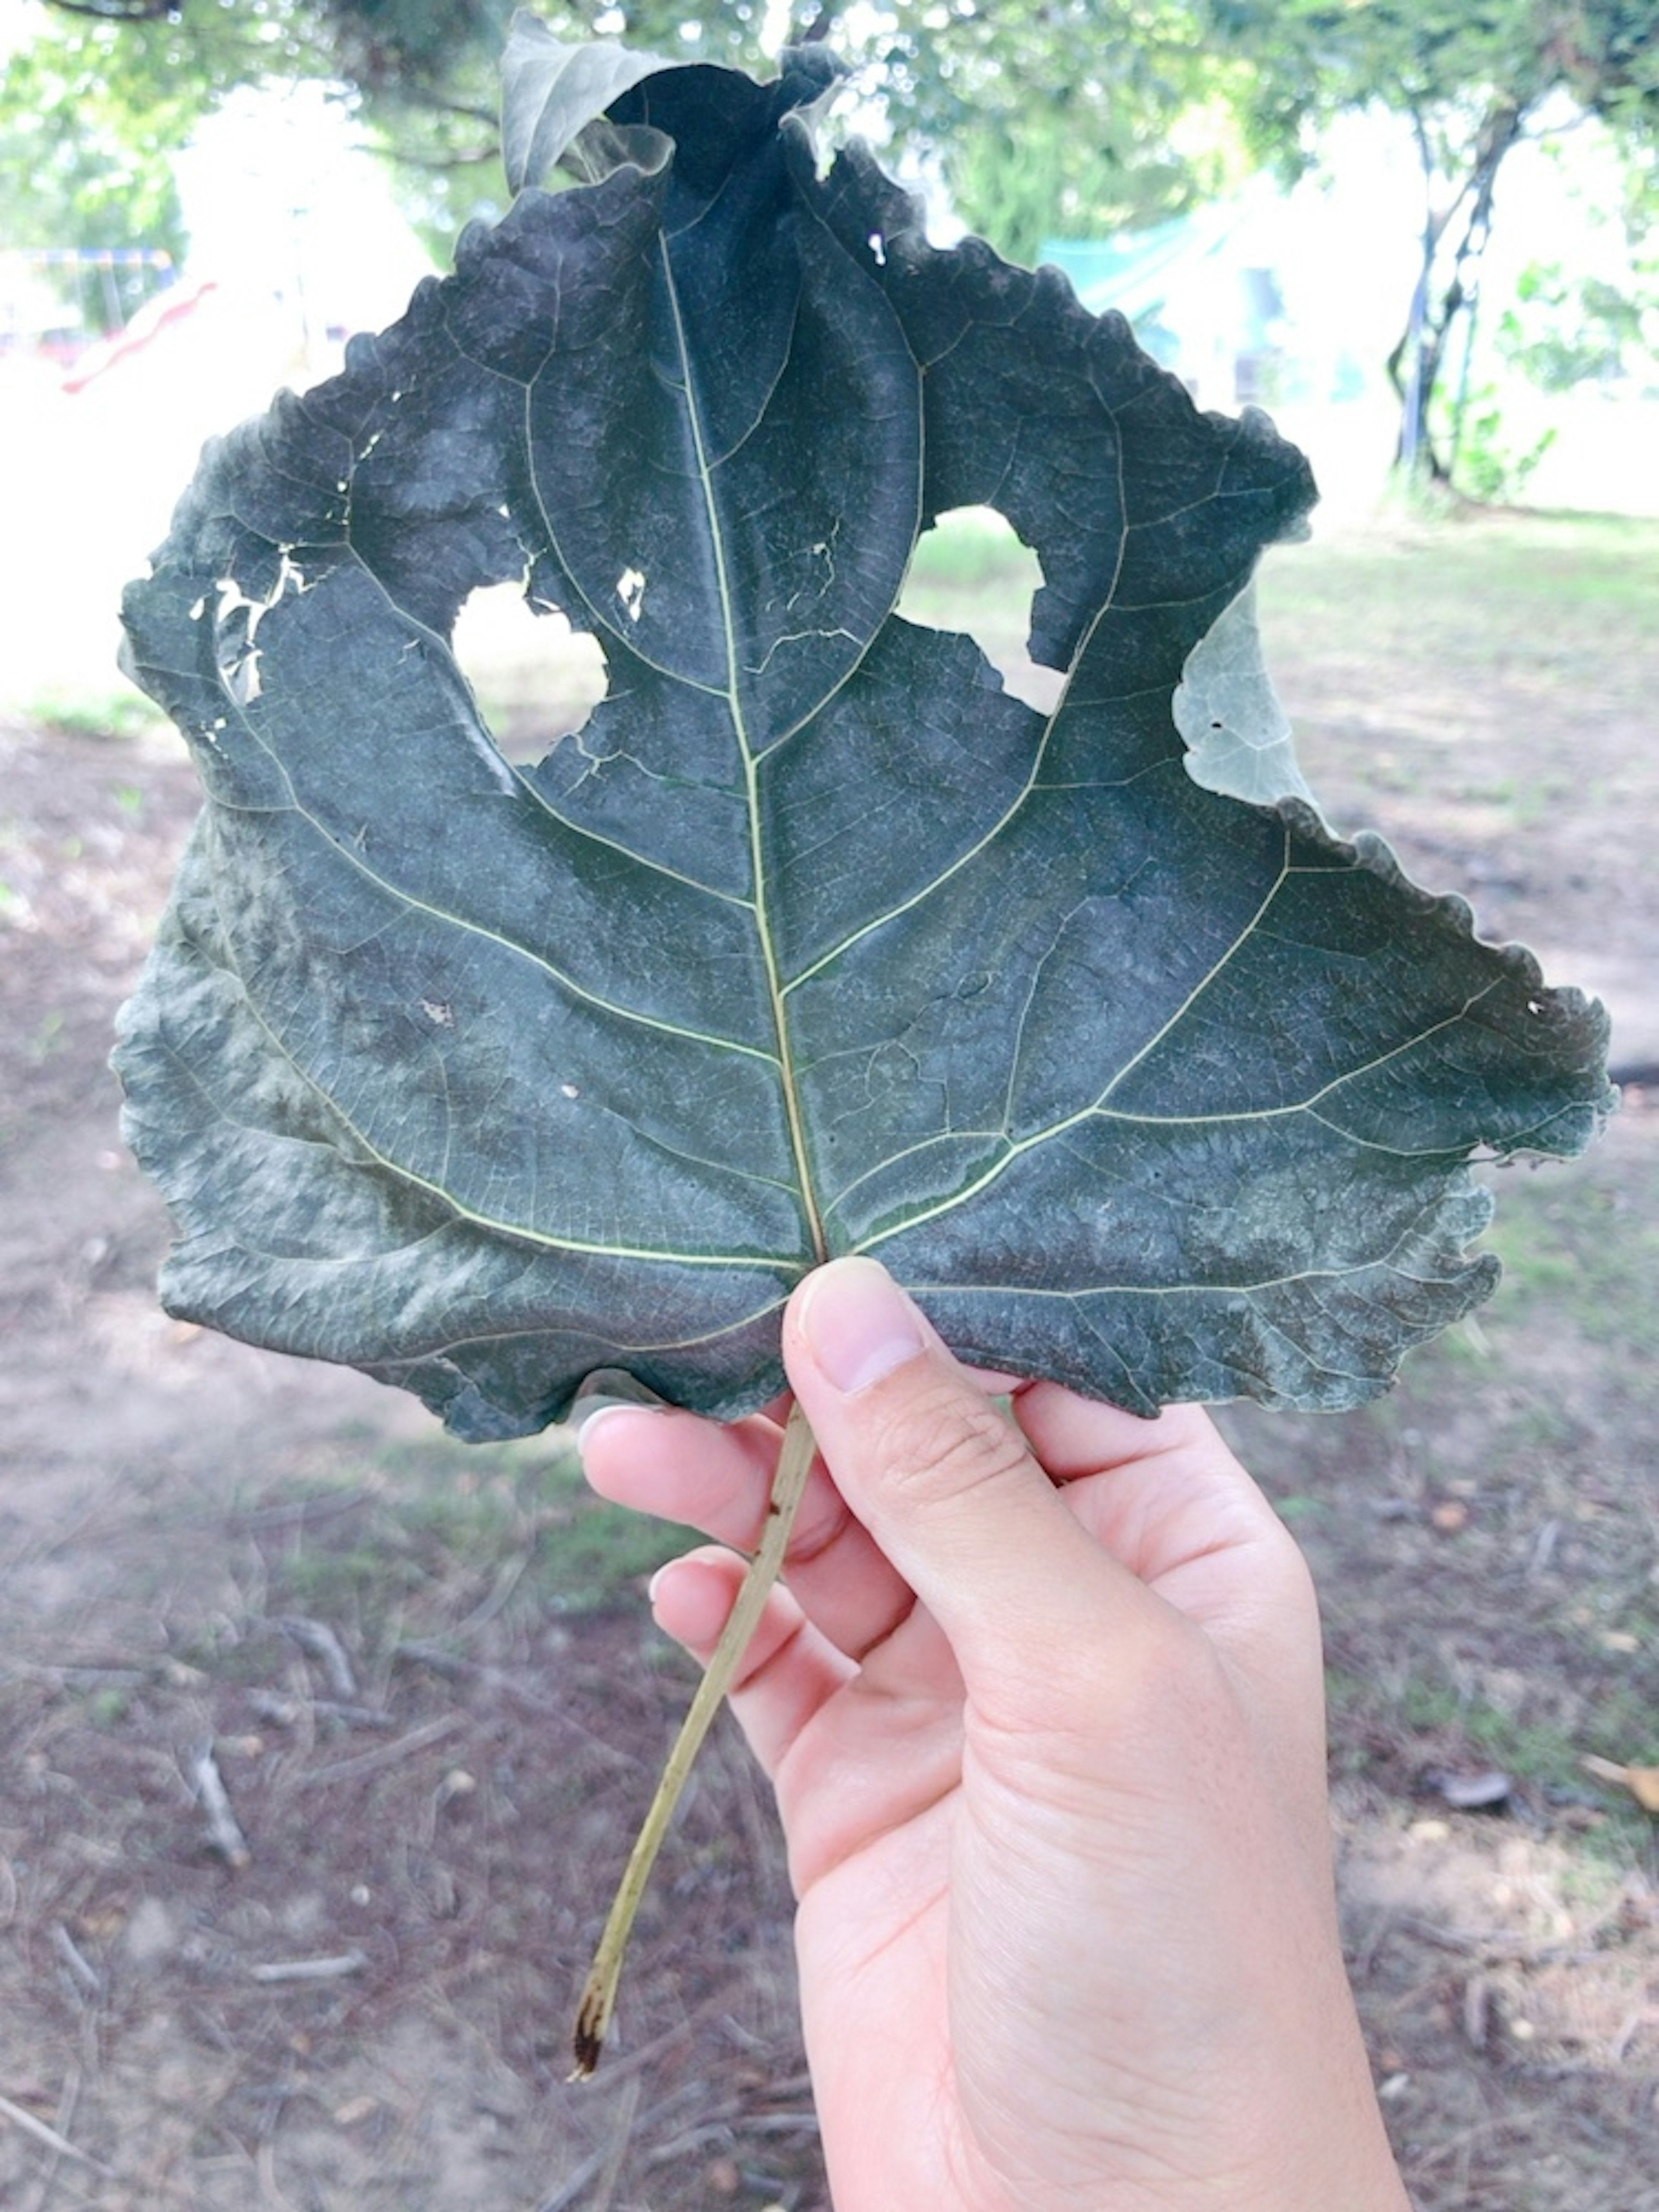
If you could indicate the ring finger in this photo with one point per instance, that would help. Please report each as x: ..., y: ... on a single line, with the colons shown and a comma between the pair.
x: 717, y: 1478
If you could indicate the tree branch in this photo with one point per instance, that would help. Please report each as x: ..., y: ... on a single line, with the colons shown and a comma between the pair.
x: 439, y: 164
x: 119, y: 11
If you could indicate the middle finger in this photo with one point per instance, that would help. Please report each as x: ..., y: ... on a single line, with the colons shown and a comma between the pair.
x: 717, y: 1477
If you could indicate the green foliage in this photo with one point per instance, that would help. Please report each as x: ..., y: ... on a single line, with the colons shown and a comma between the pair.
x: 1490, y: 466
x: 1472, y: 82
x: 1451, y: 67
x: 1060, y: 120
x: 1041, y: 120
x: 423, y: 75
x: 1562, y: 331
x: 94, y: 711
x: 92, y: 110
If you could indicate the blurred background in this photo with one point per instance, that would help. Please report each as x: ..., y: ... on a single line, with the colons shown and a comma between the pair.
x: 1421, y: 236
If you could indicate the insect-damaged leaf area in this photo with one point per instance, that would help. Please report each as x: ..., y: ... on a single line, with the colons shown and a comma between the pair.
x: 814, y: 941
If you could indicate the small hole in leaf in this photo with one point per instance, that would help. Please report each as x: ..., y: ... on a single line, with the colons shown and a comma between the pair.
x: 970, y: 572
x: 630, y: 591
x: 877, y: 245
x: 235, y: 619
x: 242, y: 678
x: 536, y: 678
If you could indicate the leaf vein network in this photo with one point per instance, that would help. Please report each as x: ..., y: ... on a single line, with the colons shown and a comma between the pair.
x: 375, y: 1154
x: 356, y: 861
x: 783, y: 1059
x: 1032, y: 783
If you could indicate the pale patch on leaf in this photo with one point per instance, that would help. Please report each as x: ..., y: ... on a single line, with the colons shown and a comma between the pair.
x: 553, y: 92
x: 1238, y: 736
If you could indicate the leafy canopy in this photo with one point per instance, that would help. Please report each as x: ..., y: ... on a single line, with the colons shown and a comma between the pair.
x: 814, y: 940
x: 1473, y: 82
x: 1040, y: 118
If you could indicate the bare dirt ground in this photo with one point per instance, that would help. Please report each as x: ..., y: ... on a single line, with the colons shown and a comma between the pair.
x: 435, y: 1743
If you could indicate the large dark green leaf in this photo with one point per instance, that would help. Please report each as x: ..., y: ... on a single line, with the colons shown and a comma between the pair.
x: 814, y: 940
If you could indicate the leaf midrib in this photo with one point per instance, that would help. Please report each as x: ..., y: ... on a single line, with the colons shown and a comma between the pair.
x: 775, y: 991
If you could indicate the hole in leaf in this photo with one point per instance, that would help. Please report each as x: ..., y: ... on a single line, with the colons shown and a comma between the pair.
x: 536, y: 678
x: 241, y: 677
x: 235, y: 620
x: 630, y: 590
x: 972, y: 573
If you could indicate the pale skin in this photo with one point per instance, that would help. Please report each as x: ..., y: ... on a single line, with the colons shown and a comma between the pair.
x: 1042, y: 1705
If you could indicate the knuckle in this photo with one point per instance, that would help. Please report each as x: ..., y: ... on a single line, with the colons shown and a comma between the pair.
x: 941, y: 1442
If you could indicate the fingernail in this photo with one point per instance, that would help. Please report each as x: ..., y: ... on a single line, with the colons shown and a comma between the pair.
x: 857, y: 1323
x: 608, y: 1390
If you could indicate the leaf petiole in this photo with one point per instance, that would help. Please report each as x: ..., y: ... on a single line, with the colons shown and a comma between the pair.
x: 599, y: 1997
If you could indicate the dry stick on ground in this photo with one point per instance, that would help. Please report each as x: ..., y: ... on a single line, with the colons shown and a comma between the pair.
x: 1497, y: 1946
x: 318, y: 1638
x: 311, y: 1969
x: 224, y: 1830
x: 84, y: 1678
x: 385, y: 1754
x: 68, y: 2097
x: 726, y: 2126
x: 286, y: 1712
x: 82, y: 1971
x: 50, y: 2136
x: 508, y: 1578
x: 1630, y: 2029
x: 599, y: 1997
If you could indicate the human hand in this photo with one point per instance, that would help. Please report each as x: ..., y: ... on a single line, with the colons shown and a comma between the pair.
x: 1042, y: 1705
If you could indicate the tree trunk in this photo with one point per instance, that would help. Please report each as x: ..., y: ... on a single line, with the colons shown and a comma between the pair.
x: 1418, y: 361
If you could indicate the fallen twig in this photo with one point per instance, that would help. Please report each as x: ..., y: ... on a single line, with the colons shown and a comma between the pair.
x: 80, y: 1968
x: 286, y: 1712
x: 311, y: 1969
x: 1477, y: 2013
x: 224, y: 1830
x: 82, y: 1678
x: 45, y: 2180
x: 317, y: 1637
x: 1634, y: 2023
x: 172, y: 1672
x: 1543, y: 1547
x: 506, y: 1581
x: 727, y: 2122
x: 1498, y: 1946
x: 50, y: 2136
x: 386, y: 1754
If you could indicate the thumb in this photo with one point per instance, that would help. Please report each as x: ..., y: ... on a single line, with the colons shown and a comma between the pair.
x: 941, y: 1476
